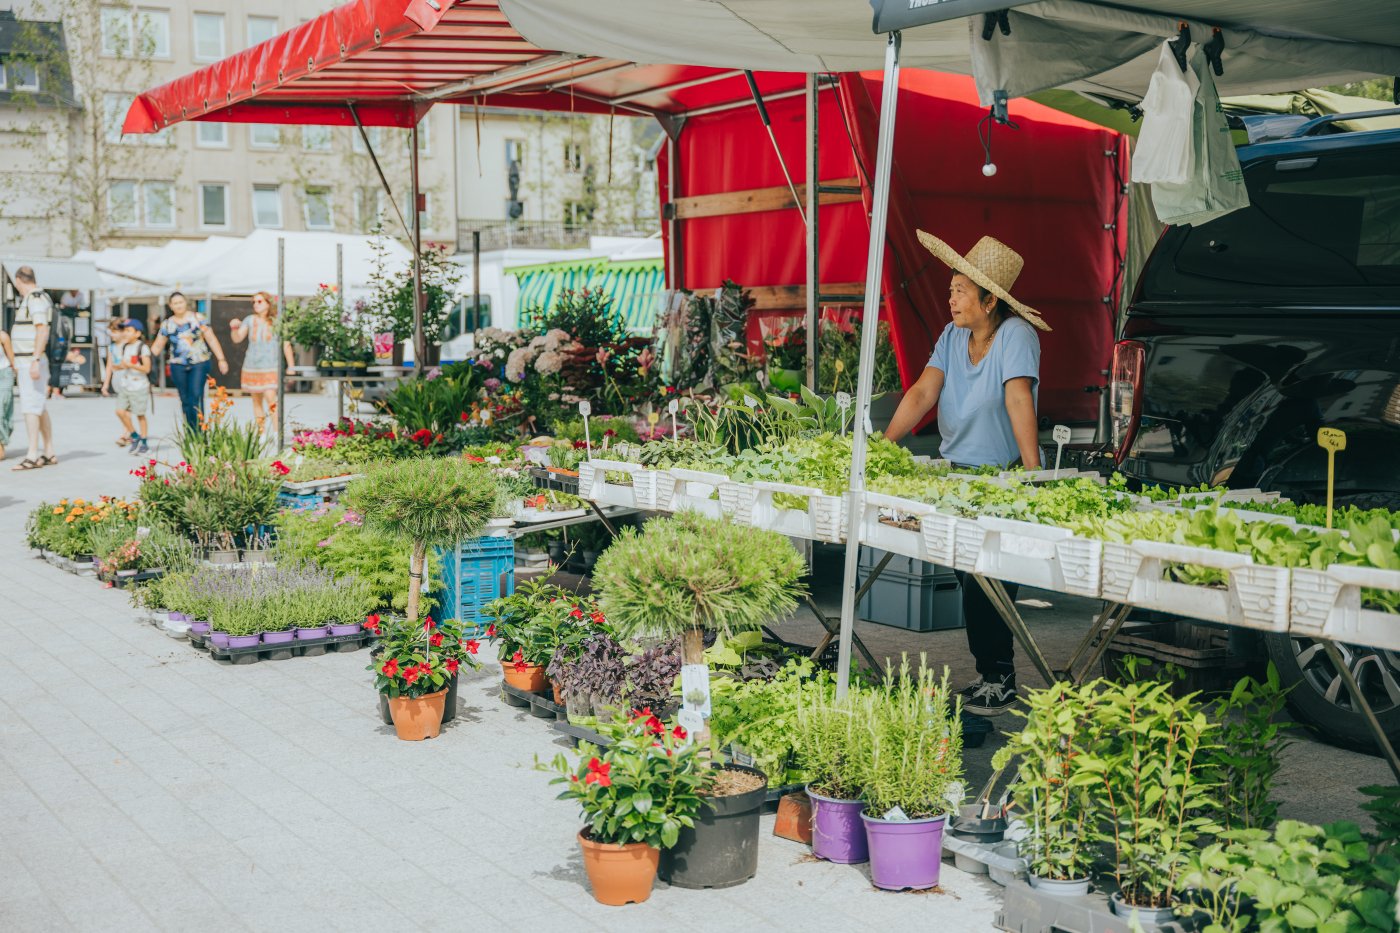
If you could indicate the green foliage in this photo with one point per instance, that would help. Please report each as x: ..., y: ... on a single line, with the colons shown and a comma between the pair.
x: 761, y: 716
x: 644, y: 787
x: 318, y: 322
x: 220, y: 439
x: 433, y: 404
x: 212, y: 502
x: 389, y: 309
x: 246, y: 601
x: 622, y: 430
x: 689, y: 572
x: 1245, y: 757
x: 915, y: 730
x: 119, y: 546
x: 415, y: 659
x: 337, y: 540
x: 837, y: 344
x: 431, y: 501
x: 313, y: 468
x: 586, y: 314
x: 68, y: 528
x: 834, y: 743
x: 536, y: 619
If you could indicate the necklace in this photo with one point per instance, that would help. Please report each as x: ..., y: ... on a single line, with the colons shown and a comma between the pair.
x: 972, y: 352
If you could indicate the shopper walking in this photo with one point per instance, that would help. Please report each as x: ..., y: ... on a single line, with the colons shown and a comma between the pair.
x: 983, y: 377
x: 128, y: 371
x: 192, y: 343
x: 259, y: 376
x: 30, y: 334
x: 7, y: 391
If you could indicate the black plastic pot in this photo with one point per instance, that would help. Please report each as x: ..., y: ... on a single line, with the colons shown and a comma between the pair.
x: 722, y: 848
x: 449, y: 706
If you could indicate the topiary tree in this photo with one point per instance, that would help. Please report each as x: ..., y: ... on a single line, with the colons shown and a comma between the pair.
x: 685, y: 575
x: 434, y: 501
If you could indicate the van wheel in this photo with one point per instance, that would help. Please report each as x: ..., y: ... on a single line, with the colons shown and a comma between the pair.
x: 1319, y: 699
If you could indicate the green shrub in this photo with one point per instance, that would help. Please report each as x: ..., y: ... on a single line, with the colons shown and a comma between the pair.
x: 336, y: 539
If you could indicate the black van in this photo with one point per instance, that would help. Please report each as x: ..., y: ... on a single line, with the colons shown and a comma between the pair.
x: 1247, y: 334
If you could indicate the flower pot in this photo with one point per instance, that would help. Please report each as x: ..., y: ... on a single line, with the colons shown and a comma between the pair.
x: 417, y: 718
x: 178, y: 617
x: 589, y: 558
x: 794, y: 818
x: 243, y: 641
x: 603, y: 708
x: 218, y: 639
x: 904, y: 855
x: 200, y: 628
x: 837, y: 833
x: 350, y: 629
x: 970, y: 825
x: 619, y: 874
x: 721, y: 849
x: 1149, y: 916
x: 557, y: 552
x: 449, y: 704
x: 259, y: 556
x: 306, y: 634
x: 558, y: 692
x: 577, y: 705
x: 530, y: 677
x: 278, y: 638
x: 221, y: 556
x: 1074, y: 887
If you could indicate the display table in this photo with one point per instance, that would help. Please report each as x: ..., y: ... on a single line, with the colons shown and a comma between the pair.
x: 374, y: 375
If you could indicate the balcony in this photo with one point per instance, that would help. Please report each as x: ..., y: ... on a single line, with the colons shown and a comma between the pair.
x: 542, y: 234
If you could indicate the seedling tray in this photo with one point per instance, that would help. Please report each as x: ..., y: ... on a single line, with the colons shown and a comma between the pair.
x: 514, y: 696
x: 1029, y: 910
x: 580, y: 733
x: 296, y: 648
x: 561, y: 482
x: 121, y: 581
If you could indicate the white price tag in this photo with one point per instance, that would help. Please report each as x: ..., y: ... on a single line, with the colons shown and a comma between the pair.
x: 843, y: 399
x: 673, y: 406
x: 585, y: 408
x: 750, y: 401
x: 1061, y: 436
x: 691, y: 721
x: 695, y: 688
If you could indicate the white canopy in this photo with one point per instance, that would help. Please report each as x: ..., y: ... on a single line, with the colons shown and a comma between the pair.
x: 1270, y: 45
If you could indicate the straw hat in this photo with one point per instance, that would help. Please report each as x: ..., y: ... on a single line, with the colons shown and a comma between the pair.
x: 991, y: 264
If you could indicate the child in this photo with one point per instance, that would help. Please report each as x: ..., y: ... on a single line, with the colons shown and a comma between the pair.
x: 128, y: 364
x: 114, y: 337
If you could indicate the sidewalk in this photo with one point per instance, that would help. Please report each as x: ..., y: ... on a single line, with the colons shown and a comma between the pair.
x: 146, y: 787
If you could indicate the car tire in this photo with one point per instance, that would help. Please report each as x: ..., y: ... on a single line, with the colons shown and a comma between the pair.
x: 1319, y: 699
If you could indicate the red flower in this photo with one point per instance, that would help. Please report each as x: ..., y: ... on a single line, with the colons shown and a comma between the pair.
x: 475, y: 459
x: 519, y: 661
x: 643, y: 713
x: 597, y: 617
x: 280, y: 468
x: 436, y: 640
x: 491, y: 630
x: 678, y: 733
x: 428, y: 624
x: 372, y: 623
x: 577, y: 613
x: 390, y: 668
x: 410, y: 674
x: 598, y: 773
x: 655, y: 726
x: 465, y: 416
x: 452, y: 665
x: 472, y: 645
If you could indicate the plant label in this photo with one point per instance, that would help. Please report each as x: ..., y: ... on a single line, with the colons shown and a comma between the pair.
x: 585, y: 408
x: 297, y: 460
x: 695, y: 688
x: 750, y: 401
x: 652, y: 418
x: 691, y: 721
x: 673, y: 406
x: 1331, y: 440
x: 1061, y: 436
x: 843, y: 402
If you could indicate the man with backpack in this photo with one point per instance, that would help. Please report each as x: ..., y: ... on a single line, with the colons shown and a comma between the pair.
x: 30, y: 336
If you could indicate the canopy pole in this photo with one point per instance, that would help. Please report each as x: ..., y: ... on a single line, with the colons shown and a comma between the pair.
x: 813, y: 233
x: 676, y: 257
x: 869, y: 333
x: 364, y: 137
x: 281, y: 354
x: 768, y: 125
x: 420, y: 342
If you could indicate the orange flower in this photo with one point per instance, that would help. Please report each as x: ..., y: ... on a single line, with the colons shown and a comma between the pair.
x: 70, y: 519
x: 58, y: 510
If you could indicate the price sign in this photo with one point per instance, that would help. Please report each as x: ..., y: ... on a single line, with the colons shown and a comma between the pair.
x: 1061, y: 436
x: 1331, y: 440
x: 673, y: 406
x: 843, y: 402
x: 585, y: 408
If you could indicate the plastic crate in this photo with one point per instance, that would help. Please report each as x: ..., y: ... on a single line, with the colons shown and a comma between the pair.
x: 1202, y: 655
x: 916, y: 602
x: 474, y: 573
x: 300, y: 502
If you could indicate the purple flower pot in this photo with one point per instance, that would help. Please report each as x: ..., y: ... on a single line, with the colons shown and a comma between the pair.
x: 278, y: 638
x: 200, y: 628
x: 218, y: 639
x: 242, y: 641
x: 345, y: 629
x: 904, y: 855
x: 178, y: 617
x: 837, y: 834
x: 306, y: 634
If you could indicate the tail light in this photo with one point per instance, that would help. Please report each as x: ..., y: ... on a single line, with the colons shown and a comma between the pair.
x: 1125, y: 395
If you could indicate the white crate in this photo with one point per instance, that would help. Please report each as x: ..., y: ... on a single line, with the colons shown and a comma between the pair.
x: 1327, y: 604
x: 903, y: 541
x: 653, y: 489
x: 593, y: 484
x: 738, y: 502
x: 693, y: 491
x: 1256, y: 595
x: 1042, y: 556
x: 822, y: 520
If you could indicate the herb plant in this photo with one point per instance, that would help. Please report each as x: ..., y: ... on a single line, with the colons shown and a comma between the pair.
x: 915, y: 743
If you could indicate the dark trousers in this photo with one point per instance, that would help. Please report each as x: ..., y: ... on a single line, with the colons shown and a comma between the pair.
x: 988, y: 637
x: 189, y: 379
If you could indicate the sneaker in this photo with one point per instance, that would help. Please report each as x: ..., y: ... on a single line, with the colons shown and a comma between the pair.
x: 126, y: 440
x: 142, y: 447
x: 989, y: 697
x: 133, y: 444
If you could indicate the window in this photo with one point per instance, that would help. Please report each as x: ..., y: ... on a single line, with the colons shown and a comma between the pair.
x: 160, y: 203
x: 142, y: 33
x: 357, y: 142
x: 208, y: 37
x: 319, y: 215
x: 211, y: 135
x: 114, y: 108
x: 425, y: 217
x: 577, y: 214
x: 573, y: 158
x: 121, y: 204
x: 152, y: 34
x: 425, y: 137
x: 261, y: 28
x: 267, y: 206
x: 264, y: 135
x: 369, y: 208
x: 213, y: 205
x: 24, y: 75
x: 316, y: 138
x: 116, y: 32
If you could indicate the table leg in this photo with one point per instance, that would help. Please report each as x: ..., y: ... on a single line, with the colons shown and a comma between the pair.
x: 833, y: 630
x: 1114, y: 624
x: 1000, y: 599
x: 1354, y: 688
x: 339, y: 400
x: 601, y: 517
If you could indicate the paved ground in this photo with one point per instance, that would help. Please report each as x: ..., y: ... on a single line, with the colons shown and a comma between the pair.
x: 146, y: 787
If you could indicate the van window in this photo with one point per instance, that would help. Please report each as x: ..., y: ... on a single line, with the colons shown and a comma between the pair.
x: 1315, y: 222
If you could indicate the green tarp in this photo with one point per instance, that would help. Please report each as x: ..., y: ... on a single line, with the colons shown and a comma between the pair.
x: 637, y: 288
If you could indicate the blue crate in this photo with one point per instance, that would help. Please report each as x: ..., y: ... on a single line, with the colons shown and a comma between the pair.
x: 474, y: 573
x: 299, y: 502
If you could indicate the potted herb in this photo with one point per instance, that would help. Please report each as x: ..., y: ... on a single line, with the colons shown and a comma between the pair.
x: 915, y: 759
x: 834, y: 750
x: 622, y: 843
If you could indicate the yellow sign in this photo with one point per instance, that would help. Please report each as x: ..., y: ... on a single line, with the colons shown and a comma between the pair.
x: 1331, y: 440
x: 652, y: 418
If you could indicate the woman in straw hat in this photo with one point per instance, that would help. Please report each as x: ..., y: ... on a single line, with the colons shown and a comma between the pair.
x: 983, y: 377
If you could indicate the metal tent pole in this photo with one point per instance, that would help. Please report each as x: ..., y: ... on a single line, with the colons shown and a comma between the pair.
x: 476, y: 282
x: 277, y: 335
x: 813, y: 233
x: 870, y: 324
x: 420, y: 343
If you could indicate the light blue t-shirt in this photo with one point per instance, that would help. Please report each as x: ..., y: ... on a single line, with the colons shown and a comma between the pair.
x: 972, y: 415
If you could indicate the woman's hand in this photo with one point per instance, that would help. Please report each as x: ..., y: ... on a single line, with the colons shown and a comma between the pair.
x: 223, y: 367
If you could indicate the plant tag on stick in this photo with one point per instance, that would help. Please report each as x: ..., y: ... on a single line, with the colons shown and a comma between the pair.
x: 843, y: 402
x: 673, y: 406
x: 695, y: 688
x: 1331, y: 440
x: 691, y: 721
x: 585, y: 408
x: 1061, y: 436
x: 652, y: 418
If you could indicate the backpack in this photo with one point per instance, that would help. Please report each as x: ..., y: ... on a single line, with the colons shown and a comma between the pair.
x: 61, y: 335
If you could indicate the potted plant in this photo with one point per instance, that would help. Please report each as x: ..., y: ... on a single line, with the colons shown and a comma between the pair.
x: 915, y: 758
x: 415, y: 670
x: 834, y: 748
x: 622, y: 843
x: 525, y: 628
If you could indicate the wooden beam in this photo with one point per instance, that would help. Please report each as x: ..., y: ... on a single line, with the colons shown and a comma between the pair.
x: 794, y: 297
x: 756, y: 200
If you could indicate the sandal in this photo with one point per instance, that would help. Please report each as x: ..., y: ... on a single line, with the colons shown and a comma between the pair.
x: 26, y: 464
x: 48, y: 460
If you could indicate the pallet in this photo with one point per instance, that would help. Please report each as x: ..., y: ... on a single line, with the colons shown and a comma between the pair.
x: 1202, y: 652
x: 304, y: 648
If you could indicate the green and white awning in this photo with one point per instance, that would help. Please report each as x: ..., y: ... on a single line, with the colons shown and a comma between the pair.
x: 637, y: 288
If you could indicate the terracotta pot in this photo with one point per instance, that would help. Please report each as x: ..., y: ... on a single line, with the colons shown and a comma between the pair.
x: 619, y: 874
x: 558, y: 693
x: 531, y: 678
x: 795, y: 818
x: 418, y: 717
